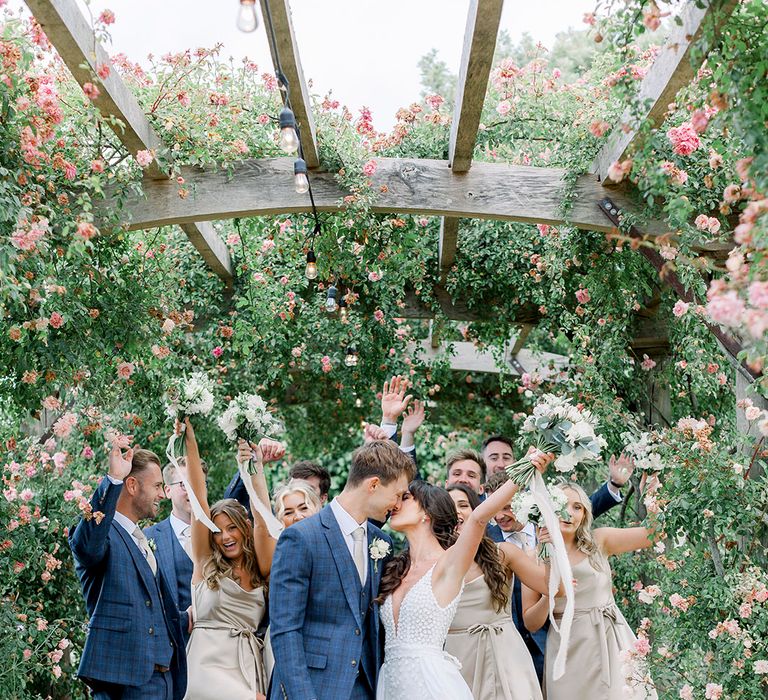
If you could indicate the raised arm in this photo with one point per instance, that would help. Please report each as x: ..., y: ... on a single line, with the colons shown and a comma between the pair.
x: 201, y: 544
x: 529, y: 569
x: 617, y: 540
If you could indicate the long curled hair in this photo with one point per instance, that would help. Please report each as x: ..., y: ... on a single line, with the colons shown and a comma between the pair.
x: 218, y: 565
x: 438, y: 505
x: 585, y: 540
x: 487, y: 557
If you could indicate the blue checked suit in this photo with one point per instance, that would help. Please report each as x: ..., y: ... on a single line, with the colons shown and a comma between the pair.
x: 176, y: 567
x: 134, y: 623
x: 602, y: 501
x: 324, y: 625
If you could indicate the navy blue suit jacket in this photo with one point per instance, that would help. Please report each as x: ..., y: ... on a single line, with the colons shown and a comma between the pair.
x: 134, y: 623
x: 176, y: 567
x: 325, y: 625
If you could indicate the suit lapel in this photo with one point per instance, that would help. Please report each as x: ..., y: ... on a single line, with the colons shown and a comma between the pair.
x: 167, y: 554
x: 350, y: 580
x: 138, y: 558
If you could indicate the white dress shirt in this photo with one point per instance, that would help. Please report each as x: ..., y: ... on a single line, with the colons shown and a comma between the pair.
x: 528, y: 533
x: 391, y: 430
x: 347, y: 525
x: 129, y: 526
x: 178, y: 526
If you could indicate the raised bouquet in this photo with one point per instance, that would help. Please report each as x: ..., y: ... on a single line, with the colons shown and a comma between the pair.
x: 248, y: 417
x: 557, y: 426
x: 526, y: 511
x: 189, y: 396
x: 641, y: 447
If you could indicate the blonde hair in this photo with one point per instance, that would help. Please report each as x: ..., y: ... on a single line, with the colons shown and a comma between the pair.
x: 218, y: 565
x: 585, y: 540
x: 295, y: 486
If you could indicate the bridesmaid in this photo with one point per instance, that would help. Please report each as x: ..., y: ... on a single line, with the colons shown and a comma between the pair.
x: 495, y: 662
x: 229, y: 585
x: 599, y: 633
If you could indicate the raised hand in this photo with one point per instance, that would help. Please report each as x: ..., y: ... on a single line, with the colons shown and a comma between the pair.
x: 119, y: 461
x: 393, y: 398
x: 271, y: 450
x: 374, y: 432
x: 540, y: 460
x: 414, y: 417
x: 620, y: 469
x: 244, y: 452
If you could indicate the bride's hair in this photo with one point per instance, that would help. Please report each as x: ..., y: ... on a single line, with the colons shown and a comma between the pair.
x: 487, y: 557
x: 217, y: 564
x: 439, y: 506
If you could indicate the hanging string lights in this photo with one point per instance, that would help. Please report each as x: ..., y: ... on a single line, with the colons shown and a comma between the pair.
x: 247, y: 20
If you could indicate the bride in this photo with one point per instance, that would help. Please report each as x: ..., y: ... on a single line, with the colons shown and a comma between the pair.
x: 421, y: 587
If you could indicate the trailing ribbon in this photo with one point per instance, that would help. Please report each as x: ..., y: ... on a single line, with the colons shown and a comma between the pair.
x: 559, y: 570
x: 197, y: 509
x: 274, y: 526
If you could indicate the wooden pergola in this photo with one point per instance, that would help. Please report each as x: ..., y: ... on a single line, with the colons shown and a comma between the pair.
x: 453, y: 189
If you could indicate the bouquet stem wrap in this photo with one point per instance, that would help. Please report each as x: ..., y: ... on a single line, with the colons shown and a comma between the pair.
x: 560, y: 570
x: 197, y: 509
x: 274, y: 526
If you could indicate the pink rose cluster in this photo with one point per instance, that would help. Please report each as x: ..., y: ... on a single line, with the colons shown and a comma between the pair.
x: 27, y: 235
x: 684, y: 139
x: 325, y: 362
x: 707, y: 223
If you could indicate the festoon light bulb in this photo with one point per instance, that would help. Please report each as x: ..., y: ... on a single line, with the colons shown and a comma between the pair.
x: 300, y: 179
x: 247, y: 20
x: 343, y: 310
x: 311, y: 269
x: 289, y: 139
x: 330, y: 301
x: 350, y: 359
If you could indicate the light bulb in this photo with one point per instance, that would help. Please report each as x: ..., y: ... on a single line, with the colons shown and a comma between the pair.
x: 247, y: 21
x: 311, y: 269
x: 342, y: 310
x: 330, y: 302
x: 300, y: 179
x: 289, y: 139
x: 350, y: 360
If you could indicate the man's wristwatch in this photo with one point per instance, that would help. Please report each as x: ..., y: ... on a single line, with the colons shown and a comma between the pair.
x: 614, y: 484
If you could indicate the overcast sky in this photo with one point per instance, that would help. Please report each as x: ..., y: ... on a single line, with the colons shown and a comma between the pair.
x: 366, y: 51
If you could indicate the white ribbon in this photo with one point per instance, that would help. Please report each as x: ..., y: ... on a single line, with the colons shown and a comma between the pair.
x: 560, y: 570
x: 274, y: 526
x: 197, y: 509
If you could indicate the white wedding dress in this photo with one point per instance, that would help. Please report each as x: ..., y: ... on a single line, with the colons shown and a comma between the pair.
x: 415, y: 665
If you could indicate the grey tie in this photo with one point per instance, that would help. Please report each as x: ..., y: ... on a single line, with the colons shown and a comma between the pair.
x: 519, y: 538
x: 146, y: 550
x: 358, y: 552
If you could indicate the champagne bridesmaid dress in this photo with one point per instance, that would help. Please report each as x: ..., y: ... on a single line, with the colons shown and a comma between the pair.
x: 598, y: 636
x: 224, y: 656
x: 494, y: 660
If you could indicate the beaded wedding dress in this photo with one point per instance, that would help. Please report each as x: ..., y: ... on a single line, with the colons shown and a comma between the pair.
x: 415, y: 665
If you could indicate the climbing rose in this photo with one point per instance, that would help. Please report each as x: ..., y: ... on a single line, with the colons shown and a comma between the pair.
x: 91, y: 91
x: 686, y: 692
x: 582, y: 296
x: 761, y: 666
x: 713, y: 691
x: 107, y: 17
x: 680, y: 308
x: 144, y: 158
x: 369, y: 168
x: 56, y: 320
x: 726, y: 308
x: 758, y: 295
x: 684, y: 139
x: 125, y: 370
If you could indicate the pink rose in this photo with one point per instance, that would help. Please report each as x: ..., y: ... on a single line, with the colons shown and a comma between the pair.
x: 726, y: 308
x: 217, y: 351
x: 686, y: 692
x: 296, y: 352
x: 374, y: 276
x: 615, y: 172
x: 369, y: 168
x: 647, y: 364
x: 699, y: 121
x: 680, y: 308
x: 56, y: 320
x: 434, y: 101
x: 582, y: 296
x: 107, y: 17
x: 761, y: 666
x: 144, y: 158
x: 62, y: 428
x: 701, y: 222
x: 642, y: 646
x: 758, y: 295
x: 752, y: 413
x: 125, y: 370
x: 85, y: 231
x: 684, y: 139
x: 503, y: 108
x: 677, y: 601
x: 713, y: 691
x: 732, y: 193
x: 91, y: 91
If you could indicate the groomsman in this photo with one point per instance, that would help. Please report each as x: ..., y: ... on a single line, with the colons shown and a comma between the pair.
x: 133, y: 648
x: 174, y: 543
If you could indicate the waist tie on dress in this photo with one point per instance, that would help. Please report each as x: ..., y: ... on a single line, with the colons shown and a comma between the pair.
x: 248, y: 646
x: 600, y: 616
x: 410, y: 651
x: 488, y: 636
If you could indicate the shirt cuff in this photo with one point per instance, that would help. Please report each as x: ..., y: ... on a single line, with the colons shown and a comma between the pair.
x: 616, y: 493
x: 389, y: 428
x: 116, y: 482
x: 407, y: 449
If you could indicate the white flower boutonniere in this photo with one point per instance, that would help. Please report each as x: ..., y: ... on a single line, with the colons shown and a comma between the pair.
x: 151, y: 544
x: 378, y: 549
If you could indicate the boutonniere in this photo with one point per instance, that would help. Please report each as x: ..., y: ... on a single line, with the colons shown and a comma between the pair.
x: 378, y: 549
x: 151, y: 544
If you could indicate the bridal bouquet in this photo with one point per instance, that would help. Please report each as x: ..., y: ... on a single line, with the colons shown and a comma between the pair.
x: 557, y: 426
x: 526, y: 511
x: 189, y: 396
x: 642, y: 449
x: 248, y: 417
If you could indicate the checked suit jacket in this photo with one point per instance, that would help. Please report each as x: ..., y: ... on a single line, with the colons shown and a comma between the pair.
x: 324, y: 624
x: 176, y: 566
x: 134, y: 623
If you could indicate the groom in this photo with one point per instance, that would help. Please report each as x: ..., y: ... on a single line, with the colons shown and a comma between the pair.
x: 325, y: 626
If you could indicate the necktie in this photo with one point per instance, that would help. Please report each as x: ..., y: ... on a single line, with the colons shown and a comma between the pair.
x: 146, y: 550
x: 186, y: 540
x: 358, y: 553
x: 519, y: 539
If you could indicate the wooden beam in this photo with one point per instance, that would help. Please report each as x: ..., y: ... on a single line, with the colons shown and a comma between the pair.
x: 522, y: 336
x: 289, y: 60
x: 487, y: 191
x: 671, y: 71
x: 447, y: 244
x: 480, y: 34
x: 72, y: 37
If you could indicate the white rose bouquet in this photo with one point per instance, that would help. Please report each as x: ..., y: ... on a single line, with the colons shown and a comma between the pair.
x: 188, y: 396
x: 557, y: 426
x: 642, y: 449
x: 248, y: 417
x: 526, y: 511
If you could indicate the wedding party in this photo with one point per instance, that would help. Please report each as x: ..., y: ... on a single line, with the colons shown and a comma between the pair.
x: 354, y: 351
